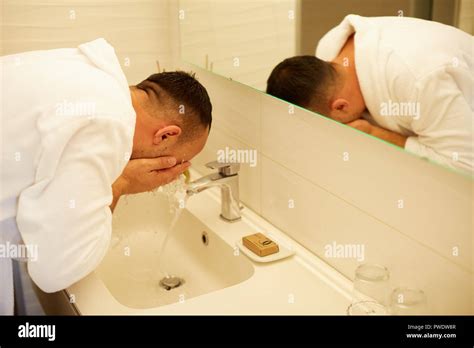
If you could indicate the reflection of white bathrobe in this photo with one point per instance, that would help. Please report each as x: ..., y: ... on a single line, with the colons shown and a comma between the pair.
x: 408, y: 63
x: 67, y: 130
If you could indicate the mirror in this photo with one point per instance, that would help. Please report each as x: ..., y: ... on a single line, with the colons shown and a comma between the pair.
x: 246, y: 39
x: 243, y: 40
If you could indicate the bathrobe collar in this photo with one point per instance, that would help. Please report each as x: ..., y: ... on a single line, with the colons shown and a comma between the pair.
x: 102, y: 54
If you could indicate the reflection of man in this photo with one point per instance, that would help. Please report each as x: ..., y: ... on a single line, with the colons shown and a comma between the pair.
x: 414, y: 77
x: 75, y: 138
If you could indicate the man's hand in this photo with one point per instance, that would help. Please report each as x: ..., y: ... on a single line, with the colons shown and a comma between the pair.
x: 361, y: 125
x: 379, y: 132
x: 146, y: 174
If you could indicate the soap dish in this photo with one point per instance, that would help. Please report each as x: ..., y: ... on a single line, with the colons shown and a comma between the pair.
x: 283, y: 252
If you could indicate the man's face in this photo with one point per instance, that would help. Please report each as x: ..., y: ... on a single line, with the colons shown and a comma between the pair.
x: 186, y: 150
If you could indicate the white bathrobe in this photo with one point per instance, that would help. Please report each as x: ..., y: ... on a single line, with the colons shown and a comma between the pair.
x: 417, y: 79
x: 67, y: 132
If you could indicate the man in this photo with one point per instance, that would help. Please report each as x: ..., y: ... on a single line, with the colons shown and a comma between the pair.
x: 404, y: 80
x: 75, y: 137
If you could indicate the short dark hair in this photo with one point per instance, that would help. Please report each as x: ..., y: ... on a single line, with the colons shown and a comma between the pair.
x: 303, y: 80
x: 184, y: 90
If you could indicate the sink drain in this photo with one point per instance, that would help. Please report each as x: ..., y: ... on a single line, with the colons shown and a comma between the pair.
x: 171, y: 282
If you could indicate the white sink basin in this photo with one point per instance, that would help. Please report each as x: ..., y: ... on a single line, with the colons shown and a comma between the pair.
x: 218, y: 280
x: 131, y: 270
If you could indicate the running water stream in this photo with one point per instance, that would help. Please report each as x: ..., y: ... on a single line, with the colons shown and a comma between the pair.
x: 176, y: 194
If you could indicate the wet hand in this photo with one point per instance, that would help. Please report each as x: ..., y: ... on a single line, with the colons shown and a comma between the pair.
x: 146, y: 174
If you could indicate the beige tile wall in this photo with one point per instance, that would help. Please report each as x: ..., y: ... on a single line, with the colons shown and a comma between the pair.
x: 140, y: 31
x: 322, y: 182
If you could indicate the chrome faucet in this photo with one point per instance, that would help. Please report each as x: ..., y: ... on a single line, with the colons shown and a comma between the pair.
x: 227, y: 178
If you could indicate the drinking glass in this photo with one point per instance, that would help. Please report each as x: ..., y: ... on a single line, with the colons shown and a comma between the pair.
x: 408, y: 301
x: 371, y: 283
x: 367, y: 308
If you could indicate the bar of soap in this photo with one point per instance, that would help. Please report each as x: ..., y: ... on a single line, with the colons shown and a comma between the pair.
x: 260, y: 245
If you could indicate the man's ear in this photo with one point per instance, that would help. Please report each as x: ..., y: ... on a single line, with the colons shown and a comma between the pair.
x: 340, y: 104
x: 165, y: 133
x: 340, y: 111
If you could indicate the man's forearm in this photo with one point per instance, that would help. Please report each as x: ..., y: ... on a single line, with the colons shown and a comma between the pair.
x: 389, y: 136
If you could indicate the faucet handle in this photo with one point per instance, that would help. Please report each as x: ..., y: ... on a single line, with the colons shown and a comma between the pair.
x: 226, y: 169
